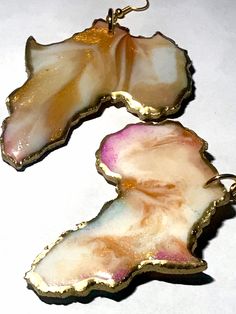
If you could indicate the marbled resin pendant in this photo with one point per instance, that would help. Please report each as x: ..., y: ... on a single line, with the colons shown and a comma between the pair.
x: 160, y: 171
x: 73, y: 79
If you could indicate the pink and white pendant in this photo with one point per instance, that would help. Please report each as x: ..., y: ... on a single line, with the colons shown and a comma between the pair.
x: 160, y: 171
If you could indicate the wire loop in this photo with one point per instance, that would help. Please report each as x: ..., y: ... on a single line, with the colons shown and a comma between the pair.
x: 232, y: 189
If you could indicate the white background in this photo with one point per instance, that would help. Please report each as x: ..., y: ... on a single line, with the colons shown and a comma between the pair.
x: 64, y: 189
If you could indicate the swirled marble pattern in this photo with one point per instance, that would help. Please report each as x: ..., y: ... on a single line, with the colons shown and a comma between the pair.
x: 70, y: 80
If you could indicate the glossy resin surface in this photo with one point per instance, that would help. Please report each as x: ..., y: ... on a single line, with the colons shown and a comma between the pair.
x: 72, y: 79
x: 162, y: 206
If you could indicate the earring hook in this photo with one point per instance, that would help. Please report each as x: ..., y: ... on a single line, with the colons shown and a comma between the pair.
x: 113, y: 16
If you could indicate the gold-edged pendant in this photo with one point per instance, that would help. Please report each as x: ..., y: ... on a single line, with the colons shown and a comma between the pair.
x: 100, y: 66
x: 163, y: 204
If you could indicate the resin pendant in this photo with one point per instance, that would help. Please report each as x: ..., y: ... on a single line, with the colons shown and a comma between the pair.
x: 73, y: 79
x: 160, y: 171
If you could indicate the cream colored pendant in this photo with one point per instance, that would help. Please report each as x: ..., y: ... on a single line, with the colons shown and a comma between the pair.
x: 160, y: 171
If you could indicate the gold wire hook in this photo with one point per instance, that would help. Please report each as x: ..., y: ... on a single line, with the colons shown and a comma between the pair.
x: 113, y: 16
x: 232, y: 190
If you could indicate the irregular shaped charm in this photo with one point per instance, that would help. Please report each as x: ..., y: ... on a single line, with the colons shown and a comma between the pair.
x: 162, y: 205
x: 72, y: 79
